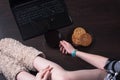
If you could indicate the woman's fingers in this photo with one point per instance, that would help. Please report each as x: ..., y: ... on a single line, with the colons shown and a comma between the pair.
x: 47, y: 75
x: 63, y: 47
x: 44, y: 74
x: 38, y: 76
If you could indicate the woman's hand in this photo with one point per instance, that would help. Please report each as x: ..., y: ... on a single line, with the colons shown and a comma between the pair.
x: 66, y: 47
x: 44, y: 74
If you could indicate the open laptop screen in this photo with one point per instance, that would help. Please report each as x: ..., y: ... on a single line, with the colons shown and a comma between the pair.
x: 35, y: 17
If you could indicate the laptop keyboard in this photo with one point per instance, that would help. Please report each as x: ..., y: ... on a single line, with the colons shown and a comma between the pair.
x: 24, y: 14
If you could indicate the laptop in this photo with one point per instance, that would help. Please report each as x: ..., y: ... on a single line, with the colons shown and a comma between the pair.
x: 36, y: 17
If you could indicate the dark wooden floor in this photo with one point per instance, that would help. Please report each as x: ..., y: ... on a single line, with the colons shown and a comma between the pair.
x: 99, y: 17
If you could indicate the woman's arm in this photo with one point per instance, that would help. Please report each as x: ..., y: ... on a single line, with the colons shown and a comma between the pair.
x: 95, y: 60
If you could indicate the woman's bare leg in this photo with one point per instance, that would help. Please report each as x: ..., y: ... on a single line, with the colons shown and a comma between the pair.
x: 58, y: 73
x: 90, y: 74
x: 94, y: 74
x: 25, y: 76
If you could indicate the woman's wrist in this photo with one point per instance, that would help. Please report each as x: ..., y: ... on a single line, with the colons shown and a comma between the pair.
x: 73, y: 53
